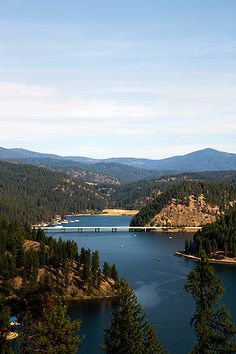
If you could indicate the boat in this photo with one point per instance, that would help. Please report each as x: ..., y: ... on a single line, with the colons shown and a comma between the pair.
x: 65, y: 221
x: 76, y: 220
x: 121, y: 246
x: 170, y: 236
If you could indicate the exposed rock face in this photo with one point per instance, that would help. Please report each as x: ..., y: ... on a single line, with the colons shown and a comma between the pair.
x: 196, y: 213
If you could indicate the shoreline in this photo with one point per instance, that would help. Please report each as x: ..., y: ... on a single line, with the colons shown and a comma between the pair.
x: 227, y: 260
x: 109, y: 212
x: 176, y: 229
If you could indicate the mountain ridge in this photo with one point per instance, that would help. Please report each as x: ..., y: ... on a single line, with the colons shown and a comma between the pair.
x: 207, y: 159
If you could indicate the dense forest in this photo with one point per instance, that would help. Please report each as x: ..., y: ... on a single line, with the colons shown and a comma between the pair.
x: 222, y: 194
x: 136, y: 195
x: 30, y: 194
x: 216, y: 239
x: 32, y: 264
x: 109, y: 170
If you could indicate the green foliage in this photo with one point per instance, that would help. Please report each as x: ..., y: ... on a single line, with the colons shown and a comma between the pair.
x: 129, y: 330
x: 95, y: 264
x: 212, y: 322
x: 217, y: 236
x: 45, y: 265
x: 106, y: 269
x: 31, y: 194
x: 55, y: 332
x: 4, y: 326
x: 114, y: 273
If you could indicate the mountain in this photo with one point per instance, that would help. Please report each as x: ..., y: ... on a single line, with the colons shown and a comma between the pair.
x: 16, y: 153
x: 83, y: 168
x: 202, y: 160
x: 136, y: 168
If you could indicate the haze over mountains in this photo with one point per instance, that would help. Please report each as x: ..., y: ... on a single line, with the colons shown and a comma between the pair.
x: 201, y: 160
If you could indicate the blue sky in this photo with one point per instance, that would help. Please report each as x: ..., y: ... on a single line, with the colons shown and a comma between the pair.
x: 149, y: 78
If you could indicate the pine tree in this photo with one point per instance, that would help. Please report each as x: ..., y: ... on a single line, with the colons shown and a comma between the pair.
x: 129, y: 330
x: 106, y: 269
x: 212, y: 322
x: 55, y: 332
x: 4, y: 327
x: 26, y: 344
x: 114, y: 273
x: 95, y: 263
x: 99, y: 279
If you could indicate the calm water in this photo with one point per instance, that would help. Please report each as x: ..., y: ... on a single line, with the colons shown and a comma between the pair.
x: 157, y: 283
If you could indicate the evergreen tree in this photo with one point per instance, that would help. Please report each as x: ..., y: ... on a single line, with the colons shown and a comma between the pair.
x: 27, y: 345
x: 4, y: 326
x: 86, y: 274
x: 95, y: 263
x: 99, y: 279
x: 106, y: 269
x: 114, y: 273
x: 212, y: 322
x: 129, y: 330
x: 55, y: 332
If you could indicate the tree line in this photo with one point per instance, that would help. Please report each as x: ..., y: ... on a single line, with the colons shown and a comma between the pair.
x: 217, y: 239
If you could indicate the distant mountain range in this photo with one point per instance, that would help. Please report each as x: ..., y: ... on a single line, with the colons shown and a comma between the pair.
x: 129, y: 168
x: 201, y: 160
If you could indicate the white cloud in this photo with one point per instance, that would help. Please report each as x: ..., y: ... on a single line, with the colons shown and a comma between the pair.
x: 42, y: 113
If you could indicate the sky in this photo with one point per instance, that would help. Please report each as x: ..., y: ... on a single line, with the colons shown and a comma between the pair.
x: 142, y: 78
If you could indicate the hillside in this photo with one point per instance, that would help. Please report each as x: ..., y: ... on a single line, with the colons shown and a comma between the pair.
x: 30, y: 194
x: 32, y: 265
x: 101, y: 172
x: 136, y: 195
x: 218, y: 239
x: 189, y: 203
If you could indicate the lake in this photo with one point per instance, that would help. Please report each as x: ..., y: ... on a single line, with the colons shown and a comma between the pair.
x: 146, y: 260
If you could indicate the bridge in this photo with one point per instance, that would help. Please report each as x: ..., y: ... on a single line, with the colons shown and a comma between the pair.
x: 64, y: 229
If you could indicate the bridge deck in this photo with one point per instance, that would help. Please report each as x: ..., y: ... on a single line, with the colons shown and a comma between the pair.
x: 116, y: 228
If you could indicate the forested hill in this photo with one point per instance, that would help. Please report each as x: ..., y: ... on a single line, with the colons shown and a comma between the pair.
x: 96, y: 172
x: 218, y: 239
x: 137, y: 194
x: 33, y: 264
x: 189, y: 203
x: 30, y: 194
